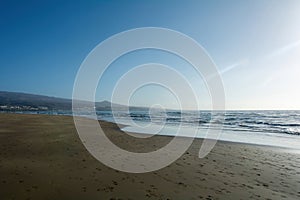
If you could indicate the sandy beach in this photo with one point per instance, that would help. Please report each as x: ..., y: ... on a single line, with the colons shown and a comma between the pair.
x: 42, y: 157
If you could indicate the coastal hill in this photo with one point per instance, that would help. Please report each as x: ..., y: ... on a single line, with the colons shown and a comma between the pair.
x: 16, y: 101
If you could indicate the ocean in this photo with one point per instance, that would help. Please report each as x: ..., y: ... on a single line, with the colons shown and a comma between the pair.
x: 271, y: 128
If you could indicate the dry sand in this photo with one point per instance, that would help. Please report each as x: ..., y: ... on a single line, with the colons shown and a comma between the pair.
x: 42, y: 157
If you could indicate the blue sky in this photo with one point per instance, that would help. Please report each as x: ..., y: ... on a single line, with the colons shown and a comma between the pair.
x: 255, y: 45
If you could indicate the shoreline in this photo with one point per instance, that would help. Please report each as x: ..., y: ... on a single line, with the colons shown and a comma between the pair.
x: 42, y: 157
x: 121, y: 126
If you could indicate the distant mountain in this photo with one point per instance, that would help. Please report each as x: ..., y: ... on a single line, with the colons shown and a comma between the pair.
x: 24, y: 101
x: 21, y: 101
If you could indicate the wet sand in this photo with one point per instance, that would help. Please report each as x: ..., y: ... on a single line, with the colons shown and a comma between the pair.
x: 42, y: 157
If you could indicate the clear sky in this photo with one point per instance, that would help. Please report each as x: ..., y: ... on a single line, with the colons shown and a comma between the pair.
x: 255, y: 45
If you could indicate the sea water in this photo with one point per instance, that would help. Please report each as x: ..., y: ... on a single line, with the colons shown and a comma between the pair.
x: 272, y: 128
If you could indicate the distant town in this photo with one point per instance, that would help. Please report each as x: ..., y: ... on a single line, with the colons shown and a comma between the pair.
x: 22, y: 108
